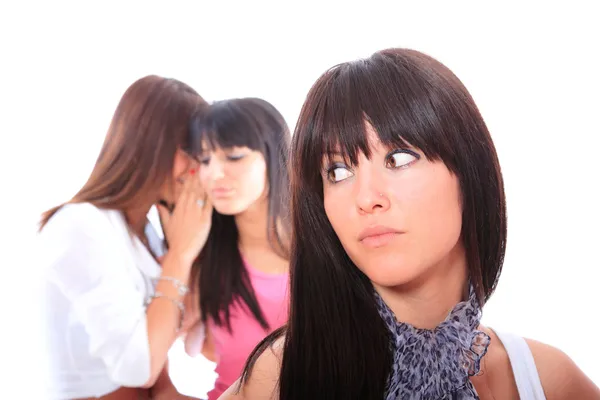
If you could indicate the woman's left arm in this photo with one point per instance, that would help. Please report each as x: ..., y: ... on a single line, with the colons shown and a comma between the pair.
x: 561, y: 378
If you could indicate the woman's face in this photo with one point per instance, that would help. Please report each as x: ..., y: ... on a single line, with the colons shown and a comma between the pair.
x: 235, y: 178
x: 397, y: 215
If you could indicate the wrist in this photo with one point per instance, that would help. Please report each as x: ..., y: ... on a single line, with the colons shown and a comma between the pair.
x: 176, y: 265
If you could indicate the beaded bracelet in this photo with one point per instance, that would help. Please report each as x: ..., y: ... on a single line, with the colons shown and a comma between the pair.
x: 182, y: 289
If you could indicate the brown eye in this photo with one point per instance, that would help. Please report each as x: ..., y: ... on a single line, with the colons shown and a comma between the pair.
x: 338, y: 173
x: 400, y: 158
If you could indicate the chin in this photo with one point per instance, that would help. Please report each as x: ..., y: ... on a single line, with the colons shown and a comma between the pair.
x: 227, y: 208
x: 391, y: 272
x: 390, y: 278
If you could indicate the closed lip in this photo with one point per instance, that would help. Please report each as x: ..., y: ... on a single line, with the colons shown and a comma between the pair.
x: 221, y: 191
x: 377, y: 230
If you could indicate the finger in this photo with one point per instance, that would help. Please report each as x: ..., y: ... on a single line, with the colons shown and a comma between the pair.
x: 207, y: 209
x: 163, y: 214
x: 196, y: 186
x: 199, y: 203
x: 187, y: 188
x: 197, y: 193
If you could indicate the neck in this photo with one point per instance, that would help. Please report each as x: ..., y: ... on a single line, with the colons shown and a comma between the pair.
x: 252, y: 225
x: 425, y: 302
x: 136, y: 218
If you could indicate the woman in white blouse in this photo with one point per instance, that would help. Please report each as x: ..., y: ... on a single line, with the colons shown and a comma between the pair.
x: 114, y: 305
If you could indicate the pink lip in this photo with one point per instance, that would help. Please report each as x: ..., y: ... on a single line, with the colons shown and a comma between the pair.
x: 221, y: 192
x: 377, y: 236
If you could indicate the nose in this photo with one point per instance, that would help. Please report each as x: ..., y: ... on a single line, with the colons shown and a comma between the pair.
x: 215, y: 169
x: 371, y: 196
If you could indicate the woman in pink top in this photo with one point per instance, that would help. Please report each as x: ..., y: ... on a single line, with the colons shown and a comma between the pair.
x: 241, y: 273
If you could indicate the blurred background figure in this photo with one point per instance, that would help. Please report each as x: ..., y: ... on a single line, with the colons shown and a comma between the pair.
x: 114, y: 302
x: 241, y: 275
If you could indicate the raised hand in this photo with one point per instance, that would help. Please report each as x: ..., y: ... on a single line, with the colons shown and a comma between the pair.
x: 186, y: 228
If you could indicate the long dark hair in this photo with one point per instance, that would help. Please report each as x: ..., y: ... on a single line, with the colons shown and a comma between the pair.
x: 336, y: 345
x: 219, y: 271
x: 150, y: 123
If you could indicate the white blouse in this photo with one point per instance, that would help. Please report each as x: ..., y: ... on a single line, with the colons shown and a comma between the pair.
x: 97, y: 277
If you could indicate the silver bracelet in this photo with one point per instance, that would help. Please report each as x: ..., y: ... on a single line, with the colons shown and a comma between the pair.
x: 178, y: 303
x: 182, y: 289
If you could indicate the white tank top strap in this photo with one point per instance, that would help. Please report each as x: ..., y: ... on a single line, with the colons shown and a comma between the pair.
x: 523, y: 366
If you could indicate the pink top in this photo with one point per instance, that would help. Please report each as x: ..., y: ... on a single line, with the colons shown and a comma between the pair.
x: 233, y: 349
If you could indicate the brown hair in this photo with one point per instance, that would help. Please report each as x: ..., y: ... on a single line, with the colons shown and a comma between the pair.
x: 150, y: 123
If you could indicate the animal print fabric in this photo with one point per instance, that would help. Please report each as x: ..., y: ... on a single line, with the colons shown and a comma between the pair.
x: 436, y: 364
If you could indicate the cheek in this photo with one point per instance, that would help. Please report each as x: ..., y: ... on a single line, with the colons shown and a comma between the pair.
x: 204, y: 176
x: 436, y: 213
x: 337, y: 213
x: 252, y: 178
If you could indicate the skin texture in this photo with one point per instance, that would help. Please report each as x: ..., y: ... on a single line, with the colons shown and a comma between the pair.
x: 234, y: 178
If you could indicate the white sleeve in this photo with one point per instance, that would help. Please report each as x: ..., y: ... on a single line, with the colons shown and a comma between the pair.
x: 89, y: 266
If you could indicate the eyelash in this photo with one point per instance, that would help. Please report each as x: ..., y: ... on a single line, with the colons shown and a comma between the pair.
x: 206, y: 160
x: 403, y: 151
x: 334, y: 166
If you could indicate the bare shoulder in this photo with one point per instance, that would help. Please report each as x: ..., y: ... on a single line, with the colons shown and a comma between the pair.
x: 262, y: 382
x: 561, y: 378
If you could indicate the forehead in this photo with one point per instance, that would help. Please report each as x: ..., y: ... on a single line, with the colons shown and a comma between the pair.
x: 373, y: 140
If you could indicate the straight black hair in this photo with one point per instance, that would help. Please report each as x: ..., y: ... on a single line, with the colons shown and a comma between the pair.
x: 219, y: 271
x: 336, y: 344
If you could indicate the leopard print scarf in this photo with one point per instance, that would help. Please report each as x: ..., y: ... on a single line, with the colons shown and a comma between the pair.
x: 436, y: 364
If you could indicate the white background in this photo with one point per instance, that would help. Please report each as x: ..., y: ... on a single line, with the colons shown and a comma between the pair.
x: 532, y: 68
